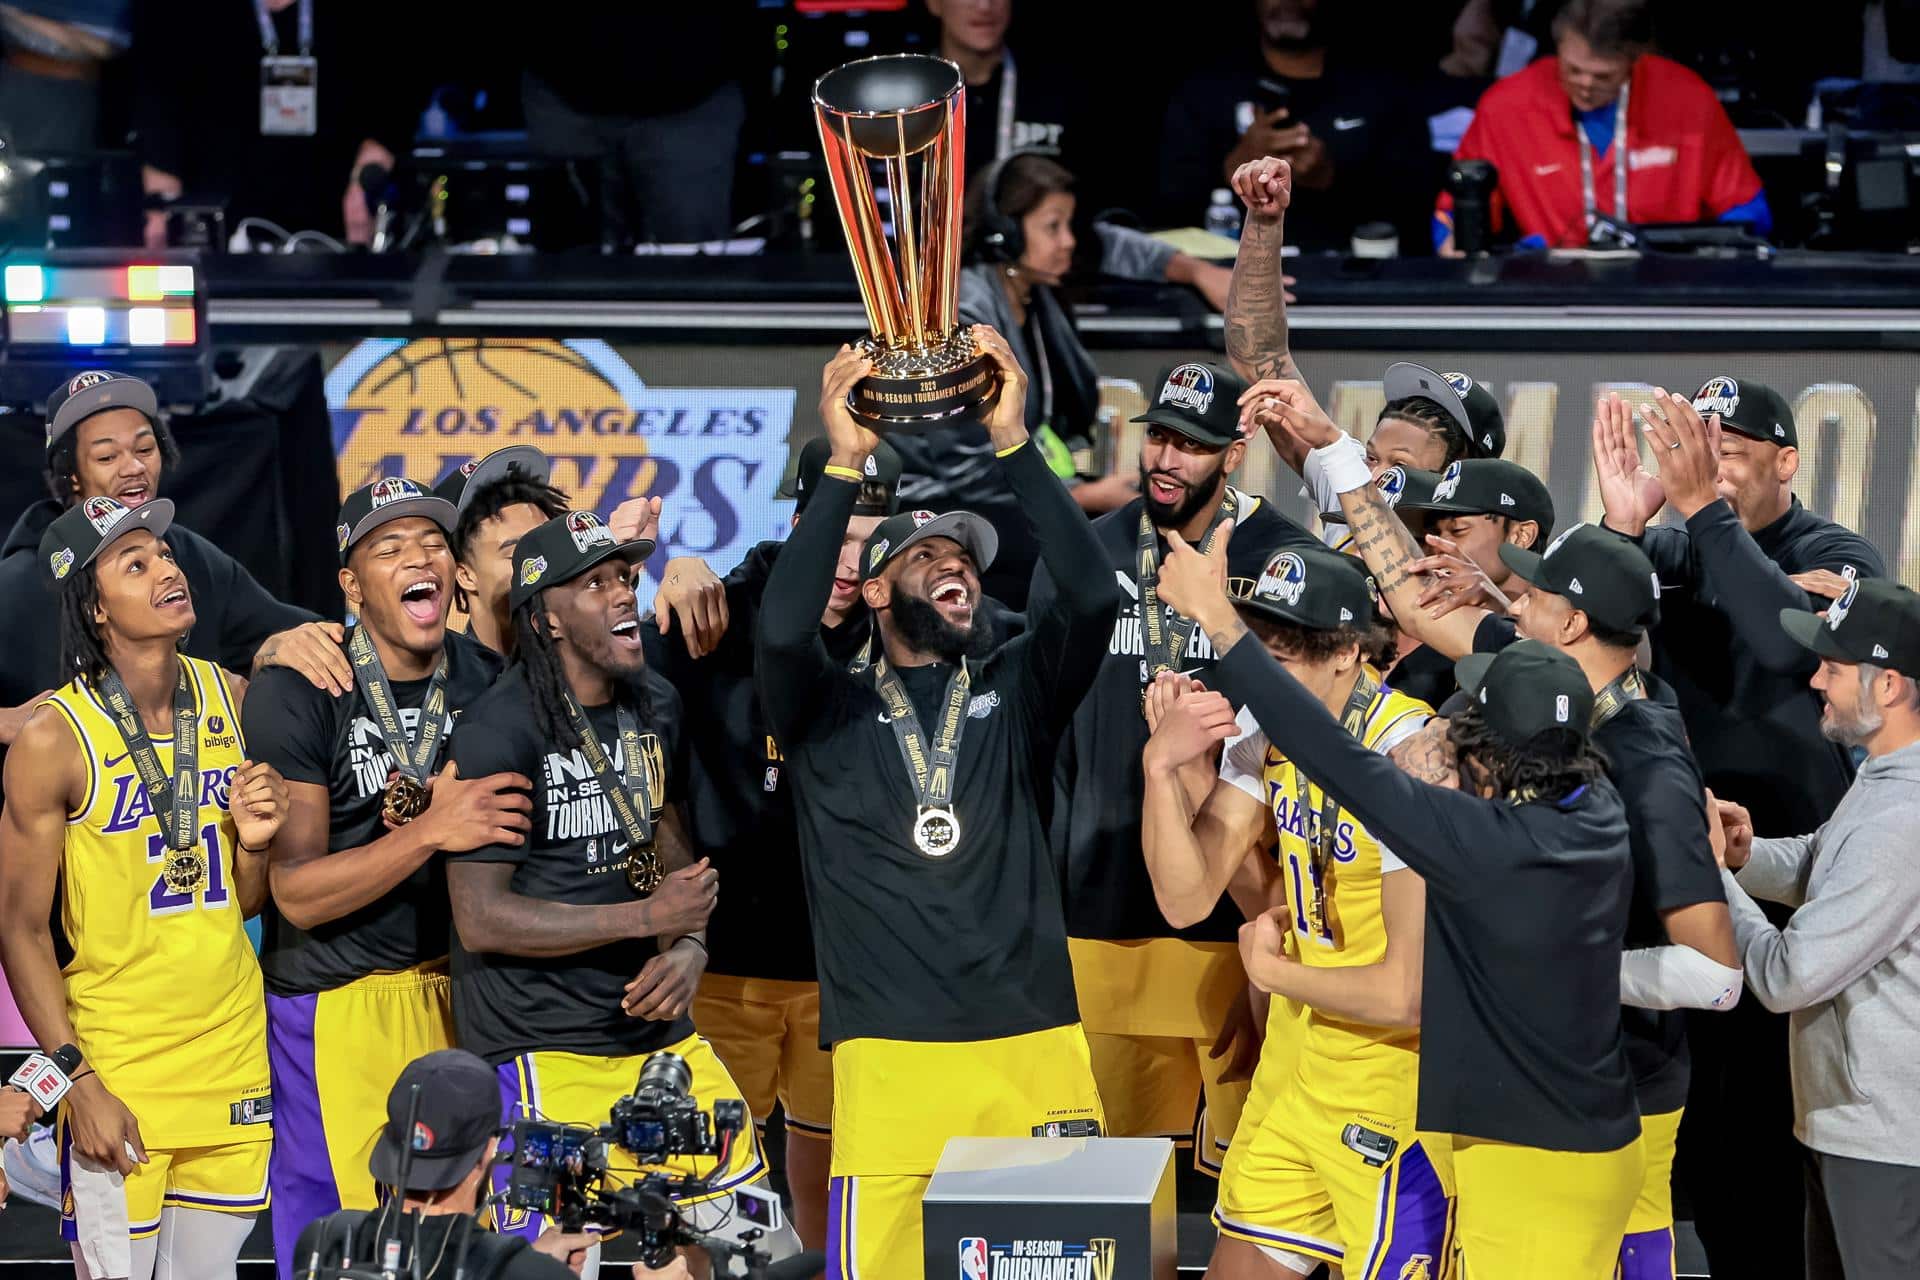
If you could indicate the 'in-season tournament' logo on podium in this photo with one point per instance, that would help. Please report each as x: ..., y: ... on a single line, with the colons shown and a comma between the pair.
x: 983, y: 1259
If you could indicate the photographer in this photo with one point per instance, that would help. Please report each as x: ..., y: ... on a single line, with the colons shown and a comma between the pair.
x: 455, y: 1134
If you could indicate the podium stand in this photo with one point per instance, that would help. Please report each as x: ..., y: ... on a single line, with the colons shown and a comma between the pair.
x: 1051, y: 1209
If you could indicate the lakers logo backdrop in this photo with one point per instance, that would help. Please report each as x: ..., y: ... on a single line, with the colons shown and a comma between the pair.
x: 714, y: 456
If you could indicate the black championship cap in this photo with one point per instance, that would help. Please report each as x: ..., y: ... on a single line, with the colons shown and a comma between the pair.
x: 1470, y: 405
x: 383, y: 501
x: 1526, y: 689
x: 1751, y: 409
x: 1599, y: 572
x: 85, y: 394
x: 1312, y: 588
x: 1875, y: 620
x: 1487, y: 487
x: 81, y: 532
x: 459, y: 1110
x: 896, y: 533
x: 1401, y: 487
x: 464, y: 484
x: 564, y: 548
x: 878, y: 494
x: 1201, y: 401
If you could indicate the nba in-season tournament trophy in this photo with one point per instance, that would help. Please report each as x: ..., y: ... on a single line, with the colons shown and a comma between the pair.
x: 893, y: 116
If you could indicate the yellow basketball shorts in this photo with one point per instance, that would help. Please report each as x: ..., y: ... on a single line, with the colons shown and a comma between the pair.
x: 231, y: 1178
x: 1339, y: 1174
x: 896, y: 1103
x: 1525, y: 1213
x: 577, y: 1088
x: 335, y: 1056
x: 767, y: 1032
x: 1152, y: 1010
x: 1647, y: 1251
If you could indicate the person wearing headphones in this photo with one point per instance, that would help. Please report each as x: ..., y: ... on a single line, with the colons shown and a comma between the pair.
x: 1019, y: 248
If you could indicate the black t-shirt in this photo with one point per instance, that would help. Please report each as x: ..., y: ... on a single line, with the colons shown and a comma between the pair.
x: 331, y: 741
x: 1373, y: 140
x: 506, y: 1005
x: 489, y: 1255
x: 1526, y: 917
x: 969, y: 945
x: 1648, y: 758
x: 1097, y: 779
x: 739, y: 800
x: 1046, y: 112
x: 1424, y: 673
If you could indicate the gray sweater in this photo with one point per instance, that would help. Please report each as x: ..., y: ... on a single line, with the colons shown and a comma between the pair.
x: 1846, y: 966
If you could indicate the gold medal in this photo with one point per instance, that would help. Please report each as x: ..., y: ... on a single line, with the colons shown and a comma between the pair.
x: 936, y: 832
x: 184, y: 870
x: 404, y: 801
x: 643, y: 868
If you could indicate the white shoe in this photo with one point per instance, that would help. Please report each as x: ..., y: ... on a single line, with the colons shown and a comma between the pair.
x: 33, y: 1167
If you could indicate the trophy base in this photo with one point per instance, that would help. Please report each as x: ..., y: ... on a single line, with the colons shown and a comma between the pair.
x: 911, y: 390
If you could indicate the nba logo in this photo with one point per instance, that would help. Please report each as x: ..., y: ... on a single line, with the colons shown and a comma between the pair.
x: 772, y: 782
x: 973, y: 1258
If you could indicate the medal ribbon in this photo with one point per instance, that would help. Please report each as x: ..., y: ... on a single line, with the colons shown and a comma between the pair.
x: 1612, y: 700
x: 176, y: 800
x: 631, y: 792
x: 931, y: 766
x: 1321, y: 839
x: 1167, y: 633
x: 414, y: 760
x: 1620, y: 154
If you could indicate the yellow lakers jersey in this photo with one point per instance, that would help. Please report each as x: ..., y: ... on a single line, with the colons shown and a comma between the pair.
x: 163, y: 989
x: 1341, y: 925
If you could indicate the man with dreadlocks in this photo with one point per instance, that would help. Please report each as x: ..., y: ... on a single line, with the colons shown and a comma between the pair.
x: 945, y: 986
x: 579, y: 950
x: 496, y: 501
x: 131, y: 804
x: 355, y: 954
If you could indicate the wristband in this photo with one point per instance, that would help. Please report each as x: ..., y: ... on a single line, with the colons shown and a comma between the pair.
x: 1010, y: 449
x: 843, y: 473
x: 1344, y: 463
x: 695, y: 941
x: 245, y: 849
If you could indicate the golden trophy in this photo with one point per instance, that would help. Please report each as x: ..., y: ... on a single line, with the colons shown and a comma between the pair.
x: 888, y: 117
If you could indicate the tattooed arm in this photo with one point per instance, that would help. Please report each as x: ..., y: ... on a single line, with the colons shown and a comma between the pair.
x: 1428, y: 756
x: 1256, y: 313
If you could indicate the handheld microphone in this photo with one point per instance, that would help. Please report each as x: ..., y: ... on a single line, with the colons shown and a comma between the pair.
x: 375, y: 180
x: 45, y: 1078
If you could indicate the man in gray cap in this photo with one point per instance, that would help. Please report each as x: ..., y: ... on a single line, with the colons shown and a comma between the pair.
x: 106, y: 438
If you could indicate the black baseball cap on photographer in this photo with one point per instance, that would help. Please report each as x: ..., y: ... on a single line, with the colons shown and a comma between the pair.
x: 1599, y: 572
x: 459, y: 1110
x: 1875, y: 621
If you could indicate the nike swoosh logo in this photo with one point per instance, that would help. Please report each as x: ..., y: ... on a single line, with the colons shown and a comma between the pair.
x: 111, y: 761
x: 1542, y: 170
x: 1344, y: 123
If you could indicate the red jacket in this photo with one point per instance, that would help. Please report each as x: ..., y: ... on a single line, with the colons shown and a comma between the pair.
x: 1686, y: 163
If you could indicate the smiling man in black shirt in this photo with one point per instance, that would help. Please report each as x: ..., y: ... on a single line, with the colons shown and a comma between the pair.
x: 1153, y: 998
x: 580, y: 949
x: 355, y: 950
x: 946, y: 990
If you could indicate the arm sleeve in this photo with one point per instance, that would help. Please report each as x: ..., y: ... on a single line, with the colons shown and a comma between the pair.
x: 1868, y: 907
x: 1752, y: 590
x: 478, y: 749
x: 1066, y: 642
x: 1676, y: 977
x: 1429, y: 828
x: 250, y: 614
x: 1731, y: 180
x: 287, y: 724
x: 791, y: 660
x: 1243, y: 761
x: 1132, y: 255
x: 1777, y: 870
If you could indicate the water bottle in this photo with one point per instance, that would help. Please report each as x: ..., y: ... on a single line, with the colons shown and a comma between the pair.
x: 1223, y: 216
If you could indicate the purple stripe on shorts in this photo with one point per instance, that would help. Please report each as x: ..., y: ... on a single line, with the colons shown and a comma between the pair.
x: 1419, y: 1219
x: 527, y: 1226
x: 838, y: 1267
x: 1647, y: 1255
x: 300, y: 1173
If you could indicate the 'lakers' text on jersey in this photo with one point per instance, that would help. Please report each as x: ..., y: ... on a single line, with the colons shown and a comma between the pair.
x: 163, y: 989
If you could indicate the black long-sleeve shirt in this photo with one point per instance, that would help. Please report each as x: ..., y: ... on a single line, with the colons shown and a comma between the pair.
x: 971, y: 945
x: 1526, y: 913
x: 1741, y: 683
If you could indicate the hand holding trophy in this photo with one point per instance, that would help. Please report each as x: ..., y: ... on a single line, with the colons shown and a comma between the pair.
x: 889, y: 117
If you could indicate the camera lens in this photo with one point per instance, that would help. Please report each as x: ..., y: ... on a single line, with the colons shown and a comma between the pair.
x: 666, y: 1072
